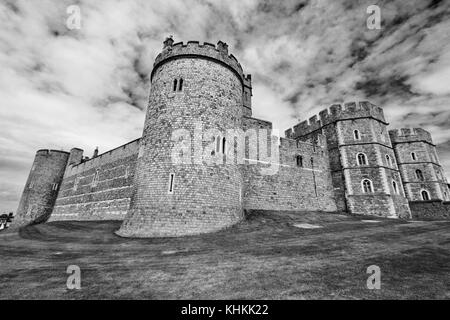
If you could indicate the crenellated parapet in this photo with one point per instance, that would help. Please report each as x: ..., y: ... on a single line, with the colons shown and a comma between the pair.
x: 218, y: 53
x: 337, y: 112
x: 410, y: 135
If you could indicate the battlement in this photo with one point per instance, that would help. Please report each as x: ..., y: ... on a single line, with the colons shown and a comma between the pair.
x: 217, y: 52
x: 349, y: 111
x: 410, y: 135
x: 50, y: 151
x: 127, y: 149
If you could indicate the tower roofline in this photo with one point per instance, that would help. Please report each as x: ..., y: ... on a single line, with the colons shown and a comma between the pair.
x: 409, y: 135
x: 209, y: 51
x: 338, y: 112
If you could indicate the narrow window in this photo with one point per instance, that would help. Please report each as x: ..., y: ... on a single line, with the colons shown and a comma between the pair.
x: 180, y: 88
x: 175, y: 85
x: 31, y: 185
x: 95, y: 180
x: 362, y: 159
x: 367, y: 186
x: 223, y: 145
x: 445, y: 195
x: 312, y: 161
x: 356, y: 135
x: 171, y: 182
x: 54, y: 186
x: 218, y: 144
x: 413, y: 156
x: 419, y: 175
x: 299, y: 161
x: 425, y: 195
x: 394, y: 185
x: 388, y: 161
x: 75, y: 184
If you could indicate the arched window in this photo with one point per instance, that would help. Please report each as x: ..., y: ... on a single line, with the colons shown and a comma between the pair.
x: 181, y: 85
x: 223, y: 145
x: 299, y: 161
x: 419, y: 175
x: 175, y: 85
x: 413, y: 156
x: 394, y: 186
x: 367, y: 186
x: 362, y: 159
x: 425, y: 195
x: 388, y: 160
x: 356, y: 135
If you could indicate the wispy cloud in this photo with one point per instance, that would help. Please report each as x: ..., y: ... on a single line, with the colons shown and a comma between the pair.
x: 62, y: 88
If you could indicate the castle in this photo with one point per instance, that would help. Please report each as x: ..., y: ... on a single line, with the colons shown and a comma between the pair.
x: 200, y: 111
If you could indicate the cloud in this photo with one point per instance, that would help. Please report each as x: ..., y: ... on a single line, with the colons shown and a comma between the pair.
x: 63, y: 88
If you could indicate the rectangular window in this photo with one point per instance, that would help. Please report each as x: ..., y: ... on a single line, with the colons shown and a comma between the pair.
x: 31, y: 184
x: 75, y: 184
x: 54, y: 186
x: 96, y: 177
x: 171, y: 182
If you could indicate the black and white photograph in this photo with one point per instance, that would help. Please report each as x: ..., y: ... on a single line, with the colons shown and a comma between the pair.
x: 224, y: 155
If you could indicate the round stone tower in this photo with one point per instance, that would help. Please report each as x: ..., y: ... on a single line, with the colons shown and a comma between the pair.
x: 41, y: 189
x: 419, y: 165
x: 196, y: 95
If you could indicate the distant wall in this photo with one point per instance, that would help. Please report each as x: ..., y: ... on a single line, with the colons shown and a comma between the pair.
x: 100, y: 188
x: 430, y: 210
x: 304, y: 187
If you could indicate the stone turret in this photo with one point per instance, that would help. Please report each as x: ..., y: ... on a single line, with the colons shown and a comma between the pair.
x: 41, y: 189
x: 417, y: 158
x: 365, y: 176
x: 193, y: 88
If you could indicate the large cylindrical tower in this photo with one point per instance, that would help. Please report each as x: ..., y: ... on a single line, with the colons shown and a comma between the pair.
x: 194, y: 88
x: 41, y: 189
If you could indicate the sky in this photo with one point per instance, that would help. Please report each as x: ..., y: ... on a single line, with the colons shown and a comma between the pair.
x: 62, y: 88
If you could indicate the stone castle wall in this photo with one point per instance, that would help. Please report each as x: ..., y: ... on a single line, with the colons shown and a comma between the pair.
x: 430, y: 210
x: 100, y: 188
x: 288, y: 184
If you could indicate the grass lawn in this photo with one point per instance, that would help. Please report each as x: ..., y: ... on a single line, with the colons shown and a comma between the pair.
x: 264, y: 257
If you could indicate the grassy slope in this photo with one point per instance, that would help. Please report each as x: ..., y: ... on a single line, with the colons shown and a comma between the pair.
x: 264, y: 257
